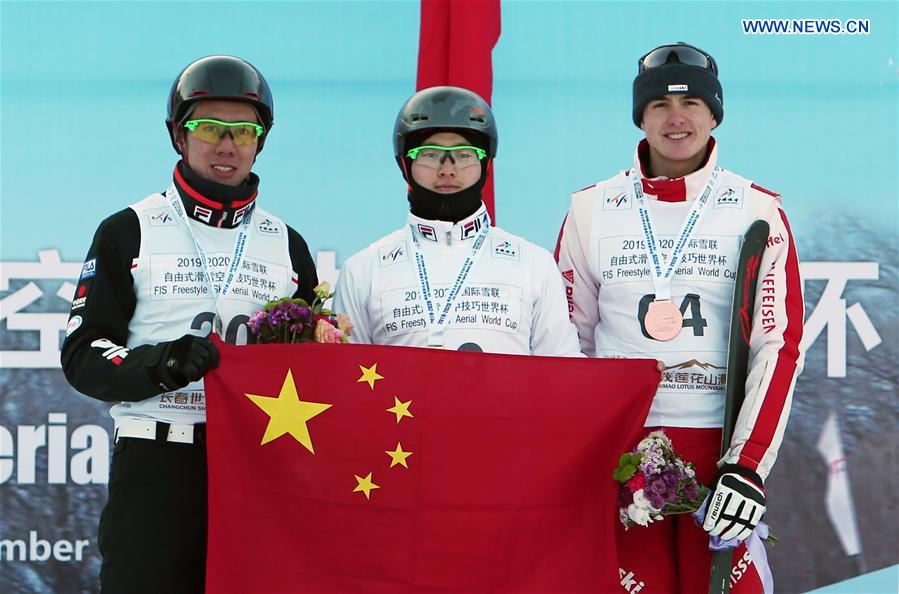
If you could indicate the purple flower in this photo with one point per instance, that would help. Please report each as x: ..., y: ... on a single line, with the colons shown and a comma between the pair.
x: 625, y: 497
x: 277, y: 316
x: 691, y: 490
x: 656, y: 500
x: 671, y: 476
x: 658, y: 486
x: 256, y: 322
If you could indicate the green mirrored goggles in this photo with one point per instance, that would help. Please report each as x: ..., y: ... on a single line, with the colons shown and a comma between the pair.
x: 212, y: 131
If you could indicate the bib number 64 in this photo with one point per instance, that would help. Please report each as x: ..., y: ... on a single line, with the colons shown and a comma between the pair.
x: 690, y: 301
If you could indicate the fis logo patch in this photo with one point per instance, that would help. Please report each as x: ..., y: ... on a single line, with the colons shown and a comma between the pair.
x: 89, y: 270
x: 615, y: 199
x: 505, y: 249
x: 393, y: 254
x: 268, y: 227
x: 729, y: 198
x: 162, y: 217
x: 112, y: 352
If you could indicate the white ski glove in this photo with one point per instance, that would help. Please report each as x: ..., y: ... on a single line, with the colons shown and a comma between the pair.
x: 736, y: 505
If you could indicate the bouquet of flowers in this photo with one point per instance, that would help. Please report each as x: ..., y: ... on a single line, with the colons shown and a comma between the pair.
x: 293, y: 320
x: 655, y: 483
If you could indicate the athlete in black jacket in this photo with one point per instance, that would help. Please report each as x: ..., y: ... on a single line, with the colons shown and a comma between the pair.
x: 160, y: 275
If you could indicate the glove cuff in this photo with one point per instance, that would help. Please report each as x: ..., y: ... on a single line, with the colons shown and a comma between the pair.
x: 161, y: 371
x: 741, y: 470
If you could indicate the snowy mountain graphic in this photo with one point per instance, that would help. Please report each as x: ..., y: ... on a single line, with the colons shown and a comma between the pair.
x: 693, y: 363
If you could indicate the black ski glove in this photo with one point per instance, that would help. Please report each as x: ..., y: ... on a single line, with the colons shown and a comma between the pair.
x: 184, y: 361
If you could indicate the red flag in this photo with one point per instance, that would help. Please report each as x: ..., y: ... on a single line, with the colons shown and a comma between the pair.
x: 455, y: 48
x: 356, y: 468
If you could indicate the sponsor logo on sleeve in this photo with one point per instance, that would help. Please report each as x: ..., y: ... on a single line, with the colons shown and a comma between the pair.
x: 161, y: 217
x: 729, y: 198
x: 568, y: 275
x: 73, y: 324
x: 80, y: 299
x: 89, y: 270
x: 111, y: 351
x: 503, y: 248
x: 268, y: 227
x: 615, y: 199
x: 393, y: 254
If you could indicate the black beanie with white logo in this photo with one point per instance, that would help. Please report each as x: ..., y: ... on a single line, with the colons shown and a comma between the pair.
x: 677, y: 78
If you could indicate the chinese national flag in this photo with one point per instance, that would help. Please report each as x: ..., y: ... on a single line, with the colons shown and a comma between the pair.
x: 356, y: 468
x: 455, y: 48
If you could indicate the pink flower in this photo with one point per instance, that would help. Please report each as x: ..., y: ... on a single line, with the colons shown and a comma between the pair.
x: 325, y: 332
x: 344, y: 324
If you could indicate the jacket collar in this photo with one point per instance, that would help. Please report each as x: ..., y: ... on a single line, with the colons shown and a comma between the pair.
x: 447, y: 233
x: 675, y: 190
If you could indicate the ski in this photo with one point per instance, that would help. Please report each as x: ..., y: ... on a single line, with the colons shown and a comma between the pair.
x: 747, y: 275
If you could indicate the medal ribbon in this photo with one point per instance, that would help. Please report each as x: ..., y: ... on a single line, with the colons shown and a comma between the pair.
x: 240, y: 247
x: 437, y: 326
x: 662, y: 280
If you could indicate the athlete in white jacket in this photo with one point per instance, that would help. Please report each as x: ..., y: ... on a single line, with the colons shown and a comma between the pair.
x: 684, y: 207
x: 448, y: 278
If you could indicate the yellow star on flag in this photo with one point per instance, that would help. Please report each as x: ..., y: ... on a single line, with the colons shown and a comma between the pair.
x: 288, y: 414
x: 398, y: 456
x: 370, y: 375
x: 365, y: 485
x: 400, y: 409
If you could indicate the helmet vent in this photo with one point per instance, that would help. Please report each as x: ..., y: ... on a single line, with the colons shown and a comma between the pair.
x: 420, y: 117
x: 252, y: 95
x: 479, y: 120
x: 198, y: 93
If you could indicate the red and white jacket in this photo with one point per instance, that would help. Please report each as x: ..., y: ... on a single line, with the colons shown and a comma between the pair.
x: 605, y: 267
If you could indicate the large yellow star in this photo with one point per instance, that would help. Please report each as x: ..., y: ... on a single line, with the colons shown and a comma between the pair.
x: 365, y: 485
x: 400, y: 409
x: 398, y: 456
x: 288, y: 414
x: 370, y: 375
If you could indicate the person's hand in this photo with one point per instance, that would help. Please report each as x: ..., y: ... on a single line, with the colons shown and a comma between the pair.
x: 186, y: 360
x: 736, y: 505
x: 660, y: 366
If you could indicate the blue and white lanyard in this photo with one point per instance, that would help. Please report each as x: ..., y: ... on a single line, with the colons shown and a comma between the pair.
x: 662, y: 281
x: 240, y: 247
x: 437, y: 326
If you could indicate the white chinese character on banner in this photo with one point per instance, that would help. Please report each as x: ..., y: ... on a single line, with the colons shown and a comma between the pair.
x: 831, y: 311
x: 48, y: 324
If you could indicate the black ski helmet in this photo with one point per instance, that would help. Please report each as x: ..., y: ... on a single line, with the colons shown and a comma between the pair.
x: 220, y: 77
x: 444, y: 107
